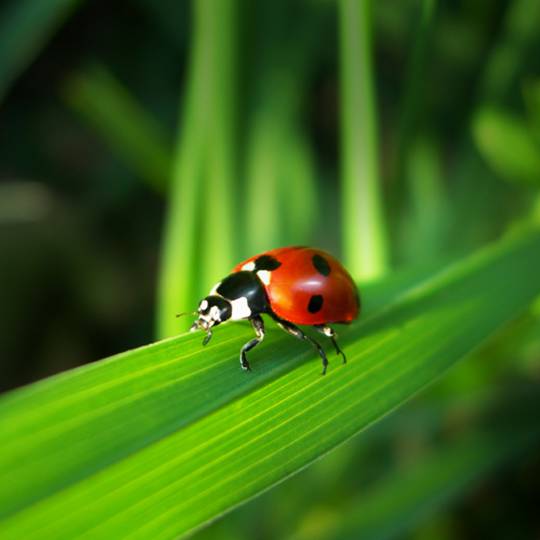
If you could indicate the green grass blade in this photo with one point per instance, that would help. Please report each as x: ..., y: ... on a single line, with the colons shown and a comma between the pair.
x: 508, y: 145
x: 531, y: 92
x: 425, y: 227
x: 365, y: 245
x: 280, y: 170
x: 25, y: 27
x: 407, y: 497
x: 200, y: 225
x: 411, y: 109
x: 262, y: 188
x: 512, y: 51
x: 132, y: 133
x: 158, y: 441
x: 218, y: 218
x: 178, y: 288
x: 299, y: 197
x: 344, y: 479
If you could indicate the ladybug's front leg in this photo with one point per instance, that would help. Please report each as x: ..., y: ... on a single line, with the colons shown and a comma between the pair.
x: 258, y: 326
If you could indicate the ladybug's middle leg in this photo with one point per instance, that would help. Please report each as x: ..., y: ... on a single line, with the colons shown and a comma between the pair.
x: 258, y: 326
x: 292, y: 329
x: 329, y: 332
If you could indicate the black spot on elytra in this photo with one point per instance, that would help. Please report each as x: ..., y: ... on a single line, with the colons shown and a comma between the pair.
x: 266, y: 262
x: 315, y: 303
x: 321, y: 265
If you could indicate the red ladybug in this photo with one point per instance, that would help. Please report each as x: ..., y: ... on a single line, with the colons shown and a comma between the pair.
x: 294, y: 285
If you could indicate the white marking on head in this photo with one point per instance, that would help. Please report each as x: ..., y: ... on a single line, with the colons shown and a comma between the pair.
x: 203, y: 305
x: 214, y: 313
x: 212, y: 316
x: 264, y: 276
x: 240, y: 309
x: 250, y: 266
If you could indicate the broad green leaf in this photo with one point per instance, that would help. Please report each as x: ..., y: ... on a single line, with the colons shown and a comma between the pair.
x: 410, y: 494
x: 379, y: 462
x: 157, y: 441
x: 25, y: 27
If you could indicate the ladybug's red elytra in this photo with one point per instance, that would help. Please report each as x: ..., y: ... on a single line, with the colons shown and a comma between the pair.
x: 293, y: 285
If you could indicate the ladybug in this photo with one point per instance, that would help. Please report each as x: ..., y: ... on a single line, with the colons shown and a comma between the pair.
x: 294, y: 286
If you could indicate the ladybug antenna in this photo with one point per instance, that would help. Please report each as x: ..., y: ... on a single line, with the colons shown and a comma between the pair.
x: 186, y: 313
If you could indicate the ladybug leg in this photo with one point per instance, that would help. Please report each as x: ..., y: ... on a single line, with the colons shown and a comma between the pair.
x: 207, y: 338
x: 329, y: 332
x: 292, y: 329
x: 258, y: 326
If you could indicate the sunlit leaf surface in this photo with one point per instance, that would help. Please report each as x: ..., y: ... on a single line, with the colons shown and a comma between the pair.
x: 158, y: 441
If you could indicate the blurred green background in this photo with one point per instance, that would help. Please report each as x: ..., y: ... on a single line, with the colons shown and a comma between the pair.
x: 146, y: 147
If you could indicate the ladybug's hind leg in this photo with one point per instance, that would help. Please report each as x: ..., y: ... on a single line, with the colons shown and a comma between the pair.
x: 292, y: 329
x: 258, y: 326
x: 329, y: 332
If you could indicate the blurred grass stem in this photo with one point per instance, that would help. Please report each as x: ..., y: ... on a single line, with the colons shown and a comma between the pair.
x: 365, y: 244
x: 411, y: 110
x: 198, y: 230
x: 129, y: 129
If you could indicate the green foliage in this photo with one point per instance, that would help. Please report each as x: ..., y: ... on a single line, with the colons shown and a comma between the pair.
x: 427, y: 217
x: 508, y: 145
x: 511, y: 52
x: 363, y: 222
x: 278, y: 151
x: 159, y: 440
x: 201, y: 220
x: 25, y: 27
x: 123, y: 122
x: 438, y: 107
x: 532, y: 99
x: 411, y: 109
x: 406, y: 496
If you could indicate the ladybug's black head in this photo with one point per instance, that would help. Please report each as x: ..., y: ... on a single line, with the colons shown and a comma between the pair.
x: 213, y: 310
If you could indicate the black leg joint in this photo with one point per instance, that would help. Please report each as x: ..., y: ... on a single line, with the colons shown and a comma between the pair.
x: 207, y: 338
x: 258, y: 325
x: 329, y: 333
x: 292, y: 329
